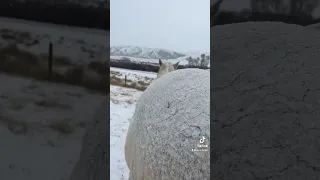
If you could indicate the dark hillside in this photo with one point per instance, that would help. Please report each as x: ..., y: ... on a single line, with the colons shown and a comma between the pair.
x: 226, y: 17
x: 64, y: 14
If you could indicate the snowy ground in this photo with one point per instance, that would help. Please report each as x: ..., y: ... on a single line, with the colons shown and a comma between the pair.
x: 137, y: 72
x: 80, y: 45
x: 29, y: 120
x: 122, y: 105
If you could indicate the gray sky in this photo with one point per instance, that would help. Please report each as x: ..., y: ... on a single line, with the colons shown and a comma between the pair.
x: 179, y: 25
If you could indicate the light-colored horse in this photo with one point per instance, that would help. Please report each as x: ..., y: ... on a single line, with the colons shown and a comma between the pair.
x: 166, y: 67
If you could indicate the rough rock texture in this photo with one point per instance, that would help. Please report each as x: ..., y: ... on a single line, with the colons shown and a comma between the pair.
x: 93, y: 163
x: 169, y: 119
x: 265, y: 102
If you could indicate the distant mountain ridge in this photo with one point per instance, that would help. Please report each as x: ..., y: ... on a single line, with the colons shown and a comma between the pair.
x: 143, y: 52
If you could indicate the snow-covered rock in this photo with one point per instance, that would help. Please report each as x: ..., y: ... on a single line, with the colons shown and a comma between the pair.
x: 171, y: 116
x: 265, y: 101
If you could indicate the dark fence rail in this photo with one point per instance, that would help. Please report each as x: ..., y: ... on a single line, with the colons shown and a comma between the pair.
x: 63, y: 14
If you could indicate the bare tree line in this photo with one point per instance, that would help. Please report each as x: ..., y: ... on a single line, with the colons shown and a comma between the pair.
x: 202, y: 61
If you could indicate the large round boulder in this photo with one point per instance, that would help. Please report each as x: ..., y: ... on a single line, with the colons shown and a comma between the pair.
x: 171, y: 116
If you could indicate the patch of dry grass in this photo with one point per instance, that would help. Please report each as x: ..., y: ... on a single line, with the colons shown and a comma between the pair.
x: 129, y: 84
x: 18, y: 37
x: 63, y: 127
x: 18, y: 104
x: 22, y: 128
x: 15, y: 127
x: 58, y: 60
x: 52, y: 103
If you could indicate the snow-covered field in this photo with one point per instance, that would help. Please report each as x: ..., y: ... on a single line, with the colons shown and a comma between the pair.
x: 129, y: 71
x: 80, y: 45
x: 122, y: 105
x: 48, y: 122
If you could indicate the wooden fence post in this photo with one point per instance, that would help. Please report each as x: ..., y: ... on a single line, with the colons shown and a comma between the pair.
x: 50, y: 57
x: 125, y: 81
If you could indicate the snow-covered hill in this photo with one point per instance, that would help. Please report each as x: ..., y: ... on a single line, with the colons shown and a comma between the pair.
x: 142, y: 52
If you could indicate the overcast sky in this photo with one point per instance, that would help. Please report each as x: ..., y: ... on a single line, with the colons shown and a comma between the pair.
x: 179, y: 25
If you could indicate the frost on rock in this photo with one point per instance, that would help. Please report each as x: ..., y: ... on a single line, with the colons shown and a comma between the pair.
x: 265, y: 101
x: 169, y: 119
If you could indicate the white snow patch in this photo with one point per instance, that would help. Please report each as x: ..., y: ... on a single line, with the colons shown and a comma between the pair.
x: 122, y: 106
